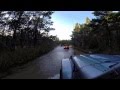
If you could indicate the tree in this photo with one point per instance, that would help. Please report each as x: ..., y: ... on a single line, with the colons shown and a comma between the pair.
x: 101, y: 33
x: 25, y: 27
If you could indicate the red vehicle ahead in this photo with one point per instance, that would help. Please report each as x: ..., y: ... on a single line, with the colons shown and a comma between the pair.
x: 66, y: 46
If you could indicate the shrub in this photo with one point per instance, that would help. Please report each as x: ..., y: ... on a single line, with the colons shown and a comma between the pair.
x: 21, y: 56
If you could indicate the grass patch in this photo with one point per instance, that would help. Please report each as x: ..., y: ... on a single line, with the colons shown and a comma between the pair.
x: 20, y: 56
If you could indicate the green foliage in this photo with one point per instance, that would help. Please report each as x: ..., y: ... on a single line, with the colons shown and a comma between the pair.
x: 24, y: 36
x: 101, y: 34
x: 21, y: 56
x: 65, y: 42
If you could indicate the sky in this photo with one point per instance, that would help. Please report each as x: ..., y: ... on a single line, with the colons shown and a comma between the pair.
x: 64, y: 22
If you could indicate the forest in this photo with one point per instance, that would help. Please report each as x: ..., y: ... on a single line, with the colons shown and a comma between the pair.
x: 99, y: 35
x: 24, y: 35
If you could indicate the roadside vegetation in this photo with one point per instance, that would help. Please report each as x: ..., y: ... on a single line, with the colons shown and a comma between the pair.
x: 24, y: 36
x: 99, y: 35
x: 63, y: 42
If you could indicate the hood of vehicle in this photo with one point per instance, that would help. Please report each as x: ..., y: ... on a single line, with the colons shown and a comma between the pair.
x: 95, y: 65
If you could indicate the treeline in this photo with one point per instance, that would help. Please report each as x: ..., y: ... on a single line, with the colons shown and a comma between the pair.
x: 99, y: 35
x: 65, y: 42
x: 24, y: 35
